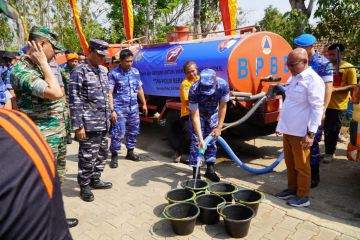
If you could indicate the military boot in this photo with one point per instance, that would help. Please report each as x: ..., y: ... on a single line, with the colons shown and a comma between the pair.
x: 210, y: 173
x: 194, y: 173
x: 86, y: 194
x: 315, y: 175
x: 131, y: 155
x: 72, y: 222
x: 99, y: 184
x: 114, y: 160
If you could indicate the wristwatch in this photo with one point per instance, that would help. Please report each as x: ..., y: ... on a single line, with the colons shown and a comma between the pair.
x: 81, y: 126
x: 311, y: 134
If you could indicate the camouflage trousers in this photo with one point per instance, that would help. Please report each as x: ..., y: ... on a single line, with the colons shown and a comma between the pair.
x: 128, y: 126
x: 208, y: 124
x: 92, y: 156
x: 67, y: 122
x: 57, y: 144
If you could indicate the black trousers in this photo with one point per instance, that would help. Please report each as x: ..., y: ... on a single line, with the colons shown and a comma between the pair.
x: 332, y: 128
x: 184, y: 135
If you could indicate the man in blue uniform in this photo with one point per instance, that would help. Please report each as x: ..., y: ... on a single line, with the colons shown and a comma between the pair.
x: 322, y: 66
x: 90, y: 115
x: 10, y: 59
x: 5, y: 96
x: 207, y: 102
x: 125, y: 88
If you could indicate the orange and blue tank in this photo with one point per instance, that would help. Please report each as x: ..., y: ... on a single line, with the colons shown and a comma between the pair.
x: 241, y: 60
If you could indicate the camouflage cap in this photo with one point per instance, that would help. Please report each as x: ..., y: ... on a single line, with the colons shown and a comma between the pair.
x: 46, y: 33
x: 207, y: 81
x: 101, y: 47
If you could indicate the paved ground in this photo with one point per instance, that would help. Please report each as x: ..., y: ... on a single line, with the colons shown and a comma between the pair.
x: 132, y: 208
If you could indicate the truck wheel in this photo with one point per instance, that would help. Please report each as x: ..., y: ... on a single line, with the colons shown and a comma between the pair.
x: 173, y: 129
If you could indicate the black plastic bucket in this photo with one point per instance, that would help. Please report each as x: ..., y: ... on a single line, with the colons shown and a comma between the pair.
x: 180, y: 195
x: 249, y: 198
x: 198, y: 186
x: 209, y: 205
x: 182, y: 216
x: 237, y: 219
x: 223, y: 189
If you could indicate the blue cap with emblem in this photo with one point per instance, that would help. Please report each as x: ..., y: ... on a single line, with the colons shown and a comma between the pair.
x: 207, y: 81
x: 304, y: 40
x: 101, y: 47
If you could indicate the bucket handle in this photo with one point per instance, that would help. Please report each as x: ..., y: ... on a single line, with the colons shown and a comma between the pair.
x: 225, y: 193
x: 182, y: 184
x: 261, y: 194
x: 168, y: 217
x: 186, y: 200
x: 199, y: 192
x: 219, y: 212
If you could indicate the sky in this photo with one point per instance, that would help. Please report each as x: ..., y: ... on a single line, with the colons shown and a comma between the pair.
x: 255, y: 8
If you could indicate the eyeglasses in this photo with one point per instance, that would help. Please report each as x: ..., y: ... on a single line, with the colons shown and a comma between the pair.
x: 291, y: 65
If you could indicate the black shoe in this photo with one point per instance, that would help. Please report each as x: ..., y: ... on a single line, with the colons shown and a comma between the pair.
x: 315, y: 176
x: 131, y: 155
x: 99, y: 184
x: 68, y: 139
x: 210, y: 173
x: 86, y: 194
x: 114, y: 160
x: 72, y: 222
x: 194, y: 173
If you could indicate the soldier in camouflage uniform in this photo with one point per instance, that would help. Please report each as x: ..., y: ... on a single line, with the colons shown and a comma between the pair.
x: 125, y: 88
x: 38, y: 92
x: 90, y: 117
x: 207, y: 103
x: 61, y: 159
x: 72, y: 61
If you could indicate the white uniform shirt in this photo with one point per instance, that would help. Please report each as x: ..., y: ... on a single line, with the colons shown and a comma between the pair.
x: 304, y: 103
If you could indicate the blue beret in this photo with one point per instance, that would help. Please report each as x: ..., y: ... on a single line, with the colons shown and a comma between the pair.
x: 305, y: 40
x: 207, y: 81
x: 100, y: 46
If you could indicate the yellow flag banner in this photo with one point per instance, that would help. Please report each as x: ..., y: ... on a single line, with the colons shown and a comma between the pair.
x: 128, y: 18
x: 228, y: 10
x: 76, y: 17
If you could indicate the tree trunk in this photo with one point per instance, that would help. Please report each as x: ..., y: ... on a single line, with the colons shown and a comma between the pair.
x: 197, y: 8
x: 300, y: 5
x: 148, y: 23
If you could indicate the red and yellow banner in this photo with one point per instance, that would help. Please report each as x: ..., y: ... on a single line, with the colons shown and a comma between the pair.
x: 228, y: 10
x: 76, y: 17
x: 128, y: 18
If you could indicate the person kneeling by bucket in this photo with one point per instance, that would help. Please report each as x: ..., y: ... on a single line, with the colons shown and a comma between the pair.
x: 207, y: 103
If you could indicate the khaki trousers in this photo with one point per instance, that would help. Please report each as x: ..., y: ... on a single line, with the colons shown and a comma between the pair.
x: 297, y: 162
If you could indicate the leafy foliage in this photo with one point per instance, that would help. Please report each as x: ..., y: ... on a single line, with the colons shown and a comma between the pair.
x: 339, y: 21
x: 56, y: 14
x: 151, y: 18
x: 288, y: 25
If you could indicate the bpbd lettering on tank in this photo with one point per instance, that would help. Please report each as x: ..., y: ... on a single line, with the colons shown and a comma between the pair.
x: 276, y: 64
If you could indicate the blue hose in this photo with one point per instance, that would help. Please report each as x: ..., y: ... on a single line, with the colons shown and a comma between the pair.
x: 237, y: 160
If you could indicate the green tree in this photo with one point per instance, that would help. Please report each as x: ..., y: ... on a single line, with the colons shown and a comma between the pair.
x: 57, y: 15
x: 288, y: 25
x: 151, y: 18
x: 339, y: 21
x: 6, y: 34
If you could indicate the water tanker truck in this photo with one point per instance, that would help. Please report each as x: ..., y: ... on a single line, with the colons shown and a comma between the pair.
x: 253, y: 64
